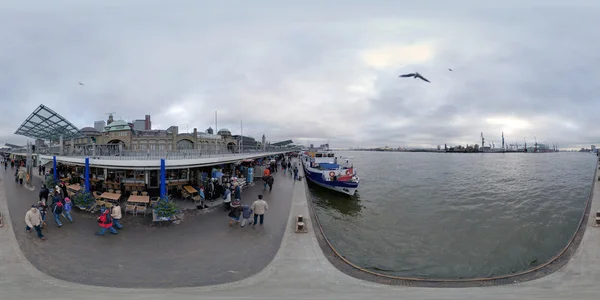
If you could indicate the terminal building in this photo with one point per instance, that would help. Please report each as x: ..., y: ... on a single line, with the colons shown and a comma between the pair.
x: 136, y: 157
x: 119, y: 136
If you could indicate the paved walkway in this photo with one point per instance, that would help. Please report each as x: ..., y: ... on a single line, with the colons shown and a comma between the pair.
x: 201, y: 250
x: 301, y: 271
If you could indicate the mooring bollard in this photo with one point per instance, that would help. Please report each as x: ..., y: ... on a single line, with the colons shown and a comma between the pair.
x: 300, y: 226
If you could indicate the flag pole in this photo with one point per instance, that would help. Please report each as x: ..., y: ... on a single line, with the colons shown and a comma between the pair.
x: 217, y: 131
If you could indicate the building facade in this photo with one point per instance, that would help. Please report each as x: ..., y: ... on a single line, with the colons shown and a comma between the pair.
x: 119, y: 132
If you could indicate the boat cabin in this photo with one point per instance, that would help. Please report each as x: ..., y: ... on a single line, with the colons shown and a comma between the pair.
x: 327, y: 161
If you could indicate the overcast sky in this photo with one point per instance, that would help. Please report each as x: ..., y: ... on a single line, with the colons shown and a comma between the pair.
x: 312, y: 71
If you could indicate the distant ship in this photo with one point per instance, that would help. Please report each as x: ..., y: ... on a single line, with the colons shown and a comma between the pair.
x: 327, y: 170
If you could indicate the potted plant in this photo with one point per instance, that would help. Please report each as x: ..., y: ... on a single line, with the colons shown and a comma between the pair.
x: 165, y: 210
x: 51, y: 182
x: 83, y: 200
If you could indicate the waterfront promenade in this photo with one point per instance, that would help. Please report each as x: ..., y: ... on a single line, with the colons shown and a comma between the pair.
x: 202, y: 250
x: 298, y: 271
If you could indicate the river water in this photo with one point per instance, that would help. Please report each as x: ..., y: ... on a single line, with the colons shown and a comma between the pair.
x: 438, y: 215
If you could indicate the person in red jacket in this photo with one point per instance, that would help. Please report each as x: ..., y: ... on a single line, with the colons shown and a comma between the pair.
x: 105, y: 222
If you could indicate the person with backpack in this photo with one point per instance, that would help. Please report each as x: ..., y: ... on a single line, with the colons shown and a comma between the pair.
x: 270, y: 182
x: 56, y: 197
x: 57, y: 210
x: 235, y: 212
x: 44, y: 192
x: 246, y: 214
x: 105, y: 222
x: 67, y: 209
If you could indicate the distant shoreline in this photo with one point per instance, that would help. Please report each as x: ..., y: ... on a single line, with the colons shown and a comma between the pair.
x: 444, y: 151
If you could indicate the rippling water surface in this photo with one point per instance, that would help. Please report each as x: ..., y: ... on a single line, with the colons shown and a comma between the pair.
x: 440, y: 215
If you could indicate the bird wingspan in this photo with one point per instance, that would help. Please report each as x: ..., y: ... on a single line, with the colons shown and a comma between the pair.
x: 419, y: 75
x: 408, y: 75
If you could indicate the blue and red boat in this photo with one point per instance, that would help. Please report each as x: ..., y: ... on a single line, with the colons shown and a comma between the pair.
x: 324, y: 168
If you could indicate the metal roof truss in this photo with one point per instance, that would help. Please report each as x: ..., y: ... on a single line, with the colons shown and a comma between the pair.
x: 46, y: 124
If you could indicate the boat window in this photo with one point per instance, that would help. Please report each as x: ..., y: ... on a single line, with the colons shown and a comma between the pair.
x: 331, y: 155
x: 318, y: 155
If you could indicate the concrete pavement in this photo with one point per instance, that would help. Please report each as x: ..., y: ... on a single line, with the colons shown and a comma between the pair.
x: 201, y: 250
x: 301, y: 271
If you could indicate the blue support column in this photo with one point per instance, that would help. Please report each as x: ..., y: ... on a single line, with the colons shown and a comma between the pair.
x: 87, y: 174
x: 163, y: 179
x: 54, y: 168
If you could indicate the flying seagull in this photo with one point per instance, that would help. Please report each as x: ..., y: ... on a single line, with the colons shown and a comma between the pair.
x: 450, y: 69
x: 415, y: 75
x: 80, y: 83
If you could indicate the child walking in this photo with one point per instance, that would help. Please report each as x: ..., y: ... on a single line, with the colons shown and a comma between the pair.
x: 246, y: 214
x: 67, y: 210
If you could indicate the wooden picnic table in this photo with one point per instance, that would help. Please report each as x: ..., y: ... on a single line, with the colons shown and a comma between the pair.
x: 110, y: 196
x: 190, y: 189
x: 75, y: 187
x: 139, y: 199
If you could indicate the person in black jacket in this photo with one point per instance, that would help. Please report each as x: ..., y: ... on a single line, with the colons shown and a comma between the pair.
x: 57, y: 209
x: 44, y: 193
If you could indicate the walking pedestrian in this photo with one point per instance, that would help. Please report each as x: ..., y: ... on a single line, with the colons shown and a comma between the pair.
x: 270, y: 182
x: 21, y: 175
x: 295, y: 173
x: 116, y: 215
x: 67, y: 210
x: 246, y: 214
x: 57, y: 210
x: 44, y: 193
x: 235, y: 212
x: 55, y: 197
x: 259, y: 207
x: 33, y: 219
x: 105, y: 222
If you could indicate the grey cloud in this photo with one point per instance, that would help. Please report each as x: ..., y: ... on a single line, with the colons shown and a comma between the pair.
x: 286, y: 69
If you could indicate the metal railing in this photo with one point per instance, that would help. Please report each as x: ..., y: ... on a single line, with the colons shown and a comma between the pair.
x: 118, y: 152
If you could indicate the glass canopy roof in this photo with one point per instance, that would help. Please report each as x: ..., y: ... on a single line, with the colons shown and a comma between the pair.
x: 46, y: 124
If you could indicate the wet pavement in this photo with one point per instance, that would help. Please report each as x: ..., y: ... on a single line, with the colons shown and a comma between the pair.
x: 202, y: 250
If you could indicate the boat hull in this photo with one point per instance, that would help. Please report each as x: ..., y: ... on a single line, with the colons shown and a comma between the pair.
x: 345, y: 187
